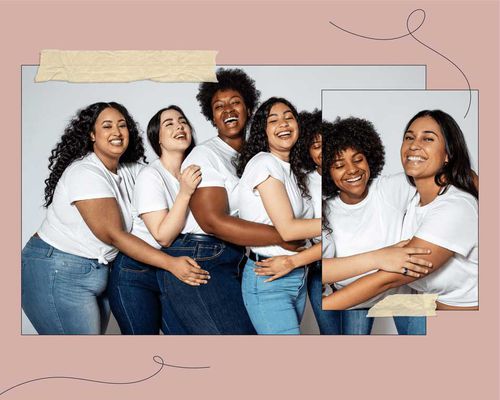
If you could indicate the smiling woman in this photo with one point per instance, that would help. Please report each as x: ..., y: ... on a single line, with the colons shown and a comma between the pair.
x: 435, y: 157
x: 65, y: 265
x: 273, y: 191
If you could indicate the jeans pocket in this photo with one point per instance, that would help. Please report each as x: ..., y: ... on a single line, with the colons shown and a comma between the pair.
x: 135, y: 268
x: 206, y: 252
x: 76, y: 269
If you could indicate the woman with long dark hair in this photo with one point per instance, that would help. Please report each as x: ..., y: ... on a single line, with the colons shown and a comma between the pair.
x: 161, y: 206
x: 435, y: 158
x: 65, y: 265
x: 273, y: 190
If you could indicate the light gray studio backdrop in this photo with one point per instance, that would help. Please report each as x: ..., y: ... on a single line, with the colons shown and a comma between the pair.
x: 48, y: 107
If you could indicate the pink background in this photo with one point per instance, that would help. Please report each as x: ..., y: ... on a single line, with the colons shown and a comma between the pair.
x: 458, y: 359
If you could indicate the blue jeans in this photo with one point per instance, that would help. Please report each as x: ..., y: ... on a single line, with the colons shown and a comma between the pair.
x: 275, y: 307
x: 214, y: 308
x: 63, y: 293
x: 355, y: 322
x: 325, y: 319
x: 138, y: 304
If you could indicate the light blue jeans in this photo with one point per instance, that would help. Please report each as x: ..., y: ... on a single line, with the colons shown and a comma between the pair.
x: 275, y: 307
x: 63, y: 293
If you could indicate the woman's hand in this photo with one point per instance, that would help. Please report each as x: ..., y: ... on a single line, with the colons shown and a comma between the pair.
x: 190, y: 179
x: 402, y: 260
x: 276, y: 267
x: 188, y: 271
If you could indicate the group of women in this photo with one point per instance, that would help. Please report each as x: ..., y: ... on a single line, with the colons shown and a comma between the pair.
x: 433, y: 207
x: 223, y: 237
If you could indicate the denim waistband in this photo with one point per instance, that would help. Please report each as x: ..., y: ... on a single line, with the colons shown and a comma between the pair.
x: 37, y: 245
x: 196, y: 237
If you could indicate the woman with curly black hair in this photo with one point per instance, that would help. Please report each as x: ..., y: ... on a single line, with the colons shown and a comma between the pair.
x: 364, y: 212
x: 65, y: 265
x: 213, y: 234
x: 436, y: 161
x: 273, y: 190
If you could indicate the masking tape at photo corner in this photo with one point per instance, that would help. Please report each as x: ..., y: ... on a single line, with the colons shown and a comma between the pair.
x: 405, y: 305
x: 126, y: 66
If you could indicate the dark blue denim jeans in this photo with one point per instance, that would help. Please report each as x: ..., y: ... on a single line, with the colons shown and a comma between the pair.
x: 63, y: 293
x: 214, y: 308
x: 138, y: 304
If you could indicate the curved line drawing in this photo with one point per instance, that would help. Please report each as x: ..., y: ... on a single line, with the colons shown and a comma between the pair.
x: 157, y: 359
x: 411, y: 33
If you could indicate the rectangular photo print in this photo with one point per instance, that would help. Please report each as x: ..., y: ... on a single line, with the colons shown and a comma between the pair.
x: 178, y: 208
x: 400, y: 191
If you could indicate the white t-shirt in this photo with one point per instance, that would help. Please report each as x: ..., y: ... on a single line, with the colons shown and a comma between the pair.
x: 84, y: 179
x: 258, y: 169
x: 215, y: 158
x: 449, y: 221
x: 314, y: 187
x: 371, y: 224
x: 155, y: 189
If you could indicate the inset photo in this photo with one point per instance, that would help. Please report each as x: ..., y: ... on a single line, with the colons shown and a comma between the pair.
x: 400, y: 210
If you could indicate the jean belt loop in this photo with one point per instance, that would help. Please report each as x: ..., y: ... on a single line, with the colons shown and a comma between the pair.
x: 50, y: 250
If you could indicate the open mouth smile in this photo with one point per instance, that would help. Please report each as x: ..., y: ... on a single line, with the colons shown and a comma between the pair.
x: 116, y: 142
x: 230, y: 120
x: 284, y: 134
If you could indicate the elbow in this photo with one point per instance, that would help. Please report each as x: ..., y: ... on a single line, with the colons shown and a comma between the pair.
x: 209, y: 225
x: 164, y: 243
x: 286, y: 234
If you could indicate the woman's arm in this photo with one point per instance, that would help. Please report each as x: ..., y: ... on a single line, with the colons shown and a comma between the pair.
x: 278, y: 207
x: 371, y: 285
x: 210, y: 208
x: 391, y: 259
x: 103, y: 218
x: 279, y: 266
x: 165, y: 225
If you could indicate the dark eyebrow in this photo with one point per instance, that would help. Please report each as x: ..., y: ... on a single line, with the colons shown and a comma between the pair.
x: 166, y: 119
x: 110, y: 122
x: 429, y: 131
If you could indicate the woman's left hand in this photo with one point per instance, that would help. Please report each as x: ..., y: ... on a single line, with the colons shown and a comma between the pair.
x: 276, y: 267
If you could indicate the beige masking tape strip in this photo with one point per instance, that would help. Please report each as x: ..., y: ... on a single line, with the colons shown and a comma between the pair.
x: 405, y: 305
x: 126, y: 66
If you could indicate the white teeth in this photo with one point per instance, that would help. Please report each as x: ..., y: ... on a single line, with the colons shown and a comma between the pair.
x: 285, y: 133
x: 415, y: 158
x: 230, y: 119
x: 181, y: 136
x: 116, y: 142
x: 354, y: 179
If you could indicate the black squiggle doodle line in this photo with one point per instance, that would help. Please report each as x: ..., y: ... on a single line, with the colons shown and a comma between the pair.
x: 156, y: 359
x: 411, y: 33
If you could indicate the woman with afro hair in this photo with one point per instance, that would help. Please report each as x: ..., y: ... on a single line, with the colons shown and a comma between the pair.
x: 214, y: 235
x: 364, y: 212
x: 65, y: 265
x: 435, y: 158
x: 273, y: 190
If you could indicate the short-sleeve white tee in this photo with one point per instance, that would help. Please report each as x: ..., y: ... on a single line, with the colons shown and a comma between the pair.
x: 262, y: 166
x: 449, y: 221
x: 155, y: 189
x: 85, y: 179
x: 215, y: 158
x: 371, y: 224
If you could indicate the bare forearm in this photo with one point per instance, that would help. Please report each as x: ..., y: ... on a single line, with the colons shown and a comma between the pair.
x: 364, y: 289
x: 241, y: 232
x: 339, y: 268
x: 307, y: 256
x: 172, y: 224
x: 297, y: 229
x: 139, y: 250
